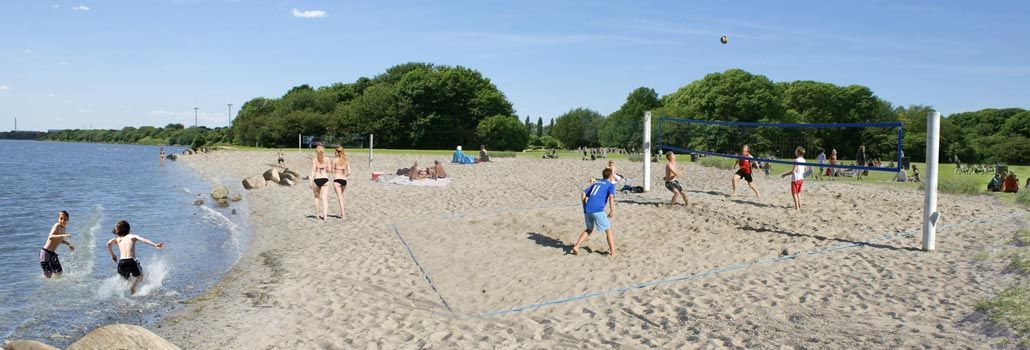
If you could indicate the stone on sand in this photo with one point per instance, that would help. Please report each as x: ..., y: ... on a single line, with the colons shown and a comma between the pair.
x: 121, y: 336
x: 198, y: 202
x: 219, y: 192
x: 286, y: 182
x: 27, y: 345
x: 236, y: 197
x: 253, y: 182
x: 271, y: 174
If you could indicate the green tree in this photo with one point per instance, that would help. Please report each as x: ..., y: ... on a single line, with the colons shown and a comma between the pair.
x: 578, y: 128
x: 503, y: 132
x: 540, y: 127
x: 625, y: 127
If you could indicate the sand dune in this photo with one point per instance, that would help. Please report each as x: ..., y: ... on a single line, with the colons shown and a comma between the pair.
x: 494, y: 240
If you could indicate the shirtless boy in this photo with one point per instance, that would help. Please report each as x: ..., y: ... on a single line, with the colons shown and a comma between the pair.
x: 672, y: 174
x: 128, y: 265
x: 48, y: 255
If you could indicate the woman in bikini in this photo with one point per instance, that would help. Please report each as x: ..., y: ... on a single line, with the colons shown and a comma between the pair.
x: 320, y: 167
x: 341, y: 169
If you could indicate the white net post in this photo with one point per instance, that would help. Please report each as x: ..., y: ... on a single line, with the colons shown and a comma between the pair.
x: 647, y: 151
x: 299, y: 142
x: 371, y: 138
x: 930, y: 214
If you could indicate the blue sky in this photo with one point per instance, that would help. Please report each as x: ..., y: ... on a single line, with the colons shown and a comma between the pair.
x: 72, y: 64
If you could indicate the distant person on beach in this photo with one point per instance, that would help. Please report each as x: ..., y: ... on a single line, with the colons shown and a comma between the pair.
x: 672, y: 174
x: 341, y: 170
x: 438, y: 171
x: 1011, y: 184
x: 915, y: 174
x: 416, y: 173
x: 743, y: 166
x: 831, y: 171
x: 821, y: 159
x: 320, y: 167
x: 797, y: 176
x: 595, y: 198
x: 128, y: 265
x: 282, y: 162
x: 48, y: 259
x: 860, y: 161
x: 483, y: 155
x: 615, y: 175
x: 162, y: 154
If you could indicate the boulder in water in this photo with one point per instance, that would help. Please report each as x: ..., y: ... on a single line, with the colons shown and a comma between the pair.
x: 198, y: 202
x: 224, y: 203
x: 172, y: 157
x: 234, y: 212
x: 253, y: 182
x: 271, y: 174
x: 121, y: 336
x: 27, y: 345
x: 219, y: 192
x: 236, y: 197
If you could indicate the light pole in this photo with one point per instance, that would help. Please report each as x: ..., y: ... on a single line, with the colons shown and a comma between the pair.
x: 195, y: 109
x: 230, y: 113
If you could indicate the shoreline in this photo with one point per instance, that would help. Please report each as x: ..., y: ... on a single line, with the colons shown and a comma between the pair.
x: 362, y: 290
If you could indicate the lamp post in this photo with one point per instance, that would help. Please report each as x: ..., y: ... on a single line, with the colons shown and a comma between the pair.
x: 195, y: 111
x: 230, y: 113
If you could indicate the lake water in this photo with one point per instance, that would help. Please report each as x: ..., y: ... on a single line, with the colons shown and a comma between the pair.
x: 99, y: 184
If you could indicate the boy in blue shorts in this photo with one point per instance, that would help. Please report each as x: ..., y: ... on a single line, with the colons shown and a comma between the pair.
x: 598, y: 195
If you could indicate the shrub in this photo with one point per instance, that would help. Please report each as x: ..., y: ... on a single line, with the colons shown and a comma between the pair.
x: 959, y: 186
x: 1023, y: 198
x: 502, y: 154
x: 503, y: 132
x: 716, y: 162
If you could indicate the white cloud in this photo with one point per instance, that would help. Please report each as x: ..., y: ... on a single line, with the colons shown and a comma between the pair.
x: 308, y: 13
x: 4, y: 87
x: 26, y: 51
x: 63, y: 63
x: 56, y: 6
x: 81, y: 8
x: 50, y: 95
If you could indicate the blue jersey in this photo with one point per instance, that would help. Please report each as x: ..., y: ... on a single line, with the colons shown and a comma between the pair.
x: 597, y: 196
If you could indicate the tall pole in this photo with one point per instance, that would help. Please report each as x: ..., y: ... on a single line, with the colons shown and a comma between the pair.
x: 930, y: 213
x: 195, y: 111
x: 230, y: 113
x: 647, y: 151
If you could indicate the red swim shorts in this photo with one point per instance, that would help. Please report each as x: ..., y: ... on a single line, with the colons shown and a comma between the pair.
x: 795, y: 186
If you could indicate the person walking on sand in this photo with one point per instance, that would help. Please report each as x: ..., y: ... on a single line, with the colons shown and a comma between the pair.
x: 797, y: 176
x: 282, y: 162
x: 860, y: 161
x: 595, y: 198
x: 319, y: 178
x: 48, y: 259
x: 743, y: 166
x: 821, y: 159
x: 128, y: 265
x: 672, y: 183
x: 341, y: 170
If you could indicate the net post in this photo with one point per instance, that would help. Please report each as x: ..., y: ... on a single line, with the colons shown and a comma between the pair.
x: 647, y: 151
x: 930, y: 214
x: 371, y: 138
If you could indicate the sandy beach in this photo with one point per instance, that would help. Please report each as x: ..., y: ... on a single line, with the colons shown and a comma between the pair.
x: 720, y: 273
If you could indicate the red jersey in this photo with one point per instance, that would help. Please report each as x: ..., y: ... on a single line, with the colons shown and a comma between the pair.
x: 744, y: 164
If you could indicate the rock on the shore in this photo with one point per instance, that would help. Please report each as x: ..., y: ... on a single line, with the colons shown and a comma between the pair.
x: 198, y: 202
x: 271, y: 174
x: 172, y: 157
x: 236, y: 197
x: 121, y: 336
x: 27, y: 345
x: 253, y: 182
x: 286, y: 182
x: 219, y: 192
x: 224, y: 203
x: 288, y: 176
x: 292, y: 172
x: 269, y: 183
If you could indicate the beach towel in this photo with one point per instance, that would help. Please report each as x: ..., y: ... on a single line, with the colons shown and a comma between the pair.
x: 402, y: 180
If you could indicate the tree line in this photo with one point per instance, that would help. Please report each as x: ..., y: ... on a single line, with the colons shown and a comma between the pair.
x: 427, y: 106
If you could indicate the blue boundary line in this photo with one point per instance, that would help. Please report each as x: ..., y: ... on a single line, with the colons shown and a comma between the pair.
x: 424, y: 273
x: 700, y: 275
x: 786, y: 125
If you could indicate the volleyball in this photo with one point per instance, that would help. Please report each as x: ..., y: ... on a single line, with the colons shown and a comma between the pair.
x: 724, y: 39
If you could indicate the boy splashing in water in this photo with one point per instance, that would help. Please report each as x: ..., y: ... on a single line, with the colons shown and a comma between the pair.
x: 48, y: 255
x: 128, y: 265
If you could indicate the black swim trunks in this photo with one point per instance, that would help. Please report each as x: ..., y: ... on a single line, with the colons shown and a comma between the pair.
x: 342, y: 182
x: 128, y: 267
x: 49, y: 262
x: 321, y: 182
x: 746, y: 176
x: 673, y: 185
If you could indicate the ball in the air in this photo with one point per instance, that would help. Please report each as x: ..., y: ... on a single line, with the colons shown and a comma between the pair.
x: 724, y: 39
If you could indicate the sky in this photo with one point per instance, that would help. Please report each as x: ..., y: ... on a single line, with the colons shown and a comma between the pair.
x: 110, y: 64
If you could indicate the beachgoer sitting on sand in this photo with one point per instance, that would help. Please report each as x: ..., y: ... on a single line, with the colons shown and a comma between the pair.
x: 483, y: 155
x: 128, y: 265
x: 615, y: 176
x: 902, y: 176
x: 416, y: 173
x: 437, y: 171
x: 1011, y: 184
x: 915, y: 174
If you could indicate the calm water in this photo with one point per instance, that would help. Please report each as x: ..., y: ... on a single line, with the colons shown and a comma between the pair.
x: 98, y: 185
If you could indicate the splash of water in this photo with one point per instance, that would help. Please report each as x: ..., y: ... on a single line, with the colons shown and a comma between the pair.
x: 233, y: 244
x: 154, y: 273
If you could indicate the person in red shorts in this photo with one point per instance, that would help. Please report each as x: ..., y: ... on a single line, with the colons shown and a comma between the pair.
x: 744, y: 172
x: 797, y: 176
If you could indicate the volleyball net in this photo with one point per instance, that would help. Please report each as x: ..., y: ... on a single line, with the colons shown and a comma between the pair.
x: 843, y: 144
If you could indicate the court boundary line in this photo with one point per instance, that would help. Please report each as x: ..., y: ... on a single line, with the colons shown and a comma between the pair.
x: 423, y: 269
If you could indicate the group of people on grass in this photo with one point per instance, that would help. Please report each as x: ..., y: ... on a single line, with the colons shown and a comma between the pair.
x: 126, y: 264
x: 1006, y: 181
